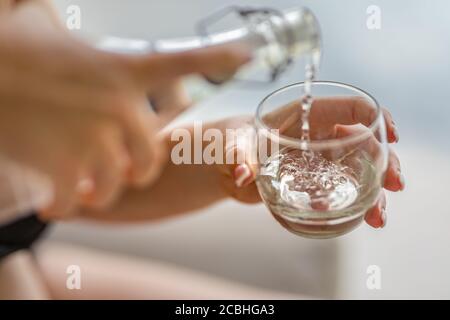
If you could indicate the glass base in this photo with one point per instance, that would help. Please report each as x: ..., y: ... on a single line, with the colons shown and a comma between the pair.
x: 318, y: 230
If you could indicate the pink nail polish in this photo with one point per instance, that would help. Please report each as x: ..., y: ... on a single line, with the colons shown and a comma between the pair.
x: 401, y: 180
x: 241, y: 173
x: 383, y: 217
x: 396, y: 136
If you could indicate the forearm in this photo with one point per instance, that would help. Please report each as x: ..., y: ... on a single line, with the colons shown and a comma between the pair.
x: 180, y: 189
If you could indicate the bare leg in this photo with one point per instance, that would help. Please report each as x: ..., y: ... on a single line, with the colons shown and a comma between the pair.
x: 20, y: 278
x: 105, y: 276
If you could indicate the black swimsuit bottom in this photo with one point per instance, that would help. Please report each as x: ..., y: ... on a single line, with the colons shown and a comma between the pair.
x: 20, y: 234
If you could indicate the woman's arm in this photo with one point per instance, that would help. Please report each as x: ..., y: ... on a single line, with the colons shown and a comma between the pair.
x: 180, y: 189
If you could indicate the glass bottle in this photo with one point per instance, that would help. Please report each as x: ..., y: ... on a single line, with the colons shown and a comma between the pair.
x: 276, y: 39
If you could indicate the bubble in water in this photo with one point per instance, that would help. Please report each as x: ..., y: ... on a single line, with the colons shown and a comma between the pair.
x: 310, y: 181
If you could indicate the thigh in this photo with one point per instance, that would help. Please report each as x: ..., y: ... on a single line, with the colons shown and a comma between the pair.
x: 107, y: 276
x: 21, y: 278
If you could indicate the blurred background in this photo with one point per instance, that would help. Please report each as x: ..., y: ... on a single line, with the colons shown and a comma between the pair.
x: 405, y: 65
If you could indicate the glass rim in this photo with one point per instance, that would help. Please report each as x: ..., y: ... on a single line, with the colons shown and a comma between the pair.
x: 326, y: 143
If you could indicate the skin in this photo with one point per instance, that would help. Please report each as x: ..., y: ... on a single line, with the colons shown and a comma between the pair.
x: 80, y: 115
x: 104, y: 273
x: 42, y: 276
x: 22, y: 278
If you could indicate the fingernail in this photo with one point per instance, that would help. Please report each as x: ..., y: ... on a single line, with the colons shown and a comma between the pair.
x: 401, y: 181
x: 85, y: 186
x: 241, y: 173
x: 396, y: 136
x: 383, y: 217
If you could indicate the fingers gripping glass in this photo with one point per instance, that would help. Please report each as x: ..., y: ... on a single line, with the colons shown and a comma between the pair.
x: 323, y: 187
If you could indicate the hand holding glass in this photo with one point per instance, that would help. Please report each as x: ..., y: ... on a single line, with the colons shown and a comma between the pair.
x: 325, y: 186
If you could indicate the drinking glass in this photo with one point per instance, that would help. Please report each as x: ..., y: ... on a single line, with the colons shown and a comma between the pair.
x: 322, y: 186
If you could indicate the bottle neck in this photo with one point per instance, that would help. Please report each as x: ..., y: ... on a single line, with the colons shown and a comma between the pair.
x: 288, y: 35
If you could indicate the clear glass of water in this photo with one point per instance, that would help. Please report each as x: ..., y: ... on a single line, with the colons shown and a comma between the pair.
x: 319, y: 178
